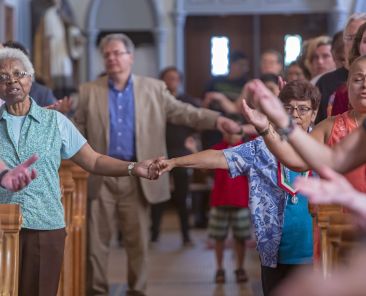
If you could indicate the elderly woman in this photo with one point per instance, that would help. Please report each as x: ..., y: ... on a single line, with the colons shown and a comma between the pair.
x: 26, y: 129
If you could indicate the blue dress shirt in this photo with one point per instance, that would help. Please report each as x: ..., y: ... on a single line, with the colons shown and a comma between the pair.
x: 122, y: 122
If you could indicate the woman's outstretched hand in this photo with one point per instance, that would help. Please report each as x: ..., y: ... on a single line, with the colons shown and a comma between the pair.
x: 19, y: 177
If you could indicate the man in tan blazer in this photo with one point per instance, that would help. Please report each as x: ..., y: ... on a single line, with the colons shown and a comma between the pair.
x: 125, y: 116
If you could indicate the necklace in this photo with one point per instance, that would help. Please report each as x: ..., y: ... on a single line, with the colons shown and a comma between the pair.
x: 284, y: 182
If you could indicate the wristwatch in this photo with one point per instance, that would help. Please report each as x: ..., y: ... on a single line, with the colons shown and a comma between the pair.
x: 130, y: 167
x: 286, y: 131
x: 2, y: 174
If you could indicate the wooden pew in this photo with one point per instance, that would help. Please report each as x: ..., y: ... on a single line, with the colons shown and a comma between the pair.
x: 11, y: 221
x: 74, y: 194
x: 321, y: 222
x: 337, y: 224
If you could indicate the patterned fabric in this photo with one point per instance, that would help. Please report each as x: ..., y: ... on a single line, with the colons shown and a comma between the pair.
x: 266, y: 200
x: 223, y: 218
x: 43, y: 133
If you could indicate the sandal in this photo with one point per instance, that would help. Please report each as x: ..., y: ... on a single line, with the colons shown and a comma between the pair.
x: 241, y: 275
x: 220, y: 276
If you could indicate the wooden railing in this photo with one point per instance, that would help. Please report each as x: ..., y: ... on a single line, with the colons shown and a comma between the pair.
x: 337, y: 234
x: 10, y: 223
x: 74, y: 193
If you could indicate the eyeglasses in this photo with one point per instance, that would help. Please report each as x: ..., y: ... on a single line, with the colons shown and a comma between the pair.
x: 17, y: 75
x: 349, y: 38
x: 115, y: 53
x: 301, y: 110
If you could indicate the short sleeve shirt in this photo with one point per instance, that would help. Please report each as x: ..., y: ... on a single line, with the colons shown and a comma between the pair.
x: 53, y: 137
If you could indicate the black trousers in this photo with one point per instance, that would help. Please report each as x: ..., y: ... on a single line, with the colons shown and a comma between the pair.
x: 179, y: 198
x: 273, y: 277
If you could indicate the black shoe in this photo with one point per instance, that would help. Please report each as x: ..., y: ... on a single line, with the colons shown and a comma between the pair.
x: 241, y: 275
x: 220, y: 276
x: 187, y: 242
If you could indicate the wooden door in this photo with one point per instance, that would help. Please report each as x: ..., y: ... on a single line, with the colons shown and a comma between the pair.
x: 239, y: 30
x: 9, y: 23
x: 198, y: 33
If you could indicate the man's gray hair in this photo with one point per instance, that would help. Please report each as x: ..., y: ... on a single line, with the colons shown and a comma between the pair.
x: 356, y: 17
x: 130, y: 47
x: 8, y: 53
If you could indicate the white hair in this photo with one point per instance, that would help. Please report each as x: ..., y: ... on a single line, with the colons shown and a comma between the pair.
x: 356, y: 17
x: 16, y: 54
x: 130, y: 47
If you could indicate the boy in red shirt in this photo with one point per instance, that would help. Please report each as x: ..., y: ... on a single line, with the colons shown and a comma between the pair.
x: 229, y: 210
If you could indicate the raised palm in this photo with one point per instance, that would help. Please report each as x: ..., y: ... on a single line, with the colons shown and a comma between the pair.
x: 254, y: 117
x: 262, y: 99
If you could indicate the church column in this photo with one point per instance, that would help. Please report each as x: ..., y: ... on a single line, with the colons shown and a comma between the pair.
x: 92, y: 35
x: 161, y: 38
x: 337, y: 17
x: 179, y: 20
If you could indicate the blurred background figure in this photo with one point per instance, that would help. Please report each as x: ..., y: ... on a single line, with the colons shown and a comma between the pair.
x: 329, y: 82
x: 229, y: 213
x: 222, y: 93
x: 271, y: 62
x: 271, y: 82
x: 294, y: 71
x: 319, y: 59
x: 180, y: 141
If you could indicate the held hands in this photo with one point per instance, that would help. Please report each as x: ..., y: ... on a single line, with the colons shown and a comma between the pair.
x: 147, y: 169
x: 259, y: 97
x: 19, y: 177
x: 153, y: 168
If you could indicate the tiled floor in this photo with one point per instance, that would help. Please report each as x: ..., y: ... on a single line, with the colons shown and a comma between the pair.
x: 177, y: 271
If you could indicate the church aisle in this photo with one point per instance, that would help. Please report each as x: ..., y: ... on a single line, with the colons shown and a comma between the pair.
x: 175, y: 270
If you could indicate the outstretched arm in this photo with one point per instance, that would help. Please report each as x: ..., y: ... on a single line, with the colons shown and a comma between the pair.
x: 18, y: 177
x: 332, y: 189
x: 207, y: 159
x: 100, y: 164
x: 281, y: 149
x: 345, y: 156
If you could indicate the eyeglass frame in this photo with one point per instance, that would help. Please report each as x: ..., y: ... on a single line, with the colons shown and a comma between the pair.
x: 115, y: 53
x: 349, y: 37
x: 13, y: 76
x: 298, y: 110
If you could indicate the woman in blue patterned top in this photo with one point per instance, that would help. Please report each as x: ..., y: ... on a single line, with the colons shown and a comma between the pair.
x: 280, y: 216
x: 27, y: 129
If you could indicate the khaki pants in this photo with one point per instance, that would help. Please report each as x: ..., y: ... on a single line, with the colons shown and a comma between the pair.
x: 122, y: 198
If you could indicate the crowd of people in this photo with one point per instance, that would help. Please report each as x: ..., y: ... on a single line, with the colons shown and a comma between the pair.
x: 275, y: 143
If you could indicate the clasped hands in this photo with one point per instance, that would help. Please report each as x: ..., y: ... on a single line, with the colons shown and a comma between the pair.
x: 152, y: 169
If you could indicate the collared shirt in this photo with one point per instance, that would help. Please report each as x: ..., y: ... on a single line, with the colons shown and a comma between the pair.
x: 267, y: 200
x: 53, y: 137
x: 122, y: 122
